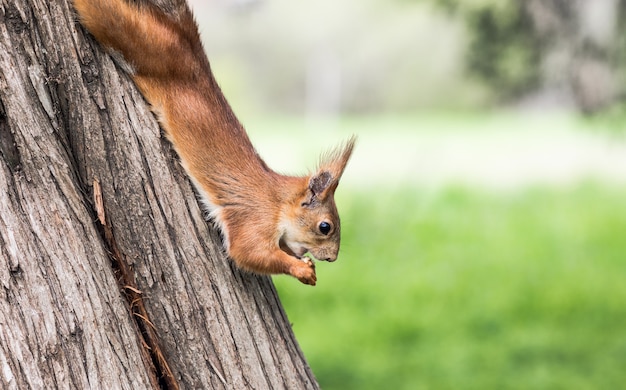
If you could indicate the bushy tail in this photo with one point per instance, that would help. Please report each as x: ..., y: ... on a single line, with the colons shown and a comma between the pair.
x: 152, y: 43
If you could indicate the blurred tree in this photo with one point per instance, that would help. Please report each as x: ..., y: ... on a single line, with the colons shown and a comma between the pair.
x: 503, y: 47
x: 570, y: 46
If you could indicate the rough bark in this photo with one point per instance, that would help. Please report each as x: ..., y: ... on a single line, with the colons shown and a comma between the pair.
x: 110, y: 276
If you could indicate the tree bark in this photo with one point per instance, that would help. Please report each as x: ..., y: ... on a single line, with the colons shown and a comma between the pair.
x: 110, y: 276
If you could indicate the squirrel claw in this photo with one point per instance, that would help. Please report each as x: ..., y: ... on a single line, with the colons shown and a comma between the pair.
x: 305, y: 273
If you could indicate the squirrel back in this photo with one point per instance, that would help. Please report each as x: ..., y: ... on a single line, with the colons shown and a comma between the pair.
x: 268, y: 221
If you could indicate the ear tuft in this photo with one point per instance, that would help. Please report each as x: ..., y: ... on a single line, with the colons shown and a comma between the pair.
x: 331, y: 167
x: 335, y: 160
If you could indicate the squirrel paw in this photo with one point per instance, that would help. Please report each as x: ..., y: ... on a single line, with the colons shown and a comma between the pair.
x: 305, y: 272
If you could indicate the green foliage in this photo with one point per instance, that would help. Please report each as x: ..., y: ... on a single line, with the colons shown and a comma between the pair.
x: 457, y: 289
x: 504, y: 51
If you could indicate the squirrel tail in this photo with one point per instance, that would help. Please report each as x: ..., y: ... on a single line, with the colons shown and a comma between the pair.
x: 152, y: 44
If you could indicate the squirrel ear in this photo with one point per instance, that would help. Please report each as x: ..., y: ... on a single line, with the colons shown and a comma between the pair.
x: 331, y: 167
x: 319, y: 182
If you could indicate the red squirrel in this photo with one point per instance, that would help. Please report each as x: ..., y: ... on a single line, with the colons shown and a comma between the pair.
x: 268, y: 221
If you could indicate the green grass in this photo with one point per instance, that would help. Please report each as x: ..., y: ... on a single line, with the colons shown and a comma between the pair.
x: 461, y: 289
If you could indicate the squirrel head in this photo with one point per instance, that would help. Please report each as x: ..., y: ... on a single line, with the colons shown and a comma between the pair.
x: 311, y: 223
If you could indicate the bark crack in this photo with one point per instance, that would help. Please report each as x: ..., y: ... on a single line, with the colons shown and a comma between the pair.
x: 162, y: 374
x: 8, y: 147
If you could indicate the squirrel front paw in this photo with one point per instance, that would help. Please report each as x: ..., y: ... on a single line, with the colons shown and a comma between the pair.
x: 304, y: 271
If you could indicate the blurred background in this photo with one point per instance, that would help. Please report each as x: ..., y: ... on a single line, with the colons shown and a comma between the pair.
x: 484, y: 209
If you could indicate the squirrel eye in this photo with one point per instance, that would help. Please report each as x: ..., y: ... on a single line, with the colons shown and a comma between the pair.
x: 324, y: 228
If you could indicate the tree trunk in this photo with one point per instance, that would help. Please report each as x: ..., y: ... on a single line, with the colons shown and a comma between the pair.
x: 110, y: 276
x: 581, y: 50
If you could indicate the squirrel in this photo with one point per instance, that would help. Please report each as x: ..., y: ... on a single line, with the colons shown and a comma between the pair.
x: 268, y: 221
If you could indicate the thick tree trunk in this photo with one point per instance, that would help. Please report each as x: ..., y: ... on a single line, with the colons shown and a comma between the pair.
x: 110, y: 277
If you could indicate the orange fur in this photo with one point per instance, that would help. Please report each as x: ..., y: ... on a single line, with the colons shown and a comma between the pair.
x: 269, y: 221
